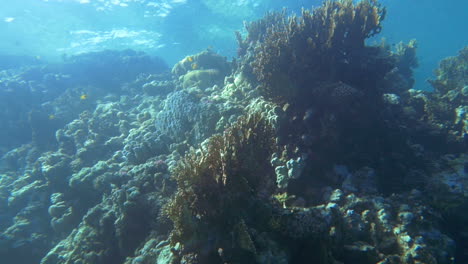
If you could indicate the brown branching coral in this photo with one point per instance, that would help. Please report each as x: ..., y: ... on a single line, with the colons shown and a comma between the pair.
x: 440, y: 118
x: 218, y: 183
x: 452, y: 76
x: 400, y: 78
x: 449, y: 107
x: 288, y: 53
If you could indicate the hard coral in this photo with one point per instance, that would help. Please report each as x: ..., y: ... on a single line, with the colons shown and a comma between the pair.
x: 287, y: 54
x: 447, y: 108
x: 451, y: 76
x: 204, y: 60
x: 218, y: 186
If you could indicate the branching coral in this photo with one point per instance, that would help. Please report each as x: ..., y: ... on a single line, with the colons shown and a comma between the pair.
x: 218, y: 183
x: 442, y: 116
x: 287, y: 54
x: 400, y: 78
x: 452, y: 77
x: 450, y: 109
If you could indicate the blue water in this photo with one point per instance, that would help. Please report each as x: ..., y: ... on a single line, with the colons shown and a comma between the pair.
x: 172, y: 29
x: 438, y: 26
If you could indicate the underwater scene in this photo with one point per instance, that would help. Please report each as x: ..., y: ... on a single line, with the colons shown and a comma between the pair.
x: 233, y: 132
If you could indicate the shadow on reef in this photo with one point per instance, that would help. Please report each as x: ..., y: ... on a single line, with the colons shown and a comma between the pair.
x: 311, y: 147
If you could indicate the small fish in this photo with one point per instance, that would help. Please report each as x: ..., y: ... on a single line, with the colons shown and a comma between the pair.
x: 83, y: 97
x: 52, y: 117
x: 194, y: 66
x: 190, y: 59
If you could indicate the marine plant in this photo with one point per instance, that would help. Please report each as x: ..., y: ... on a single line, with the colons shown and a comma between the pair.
x: 221, y: 185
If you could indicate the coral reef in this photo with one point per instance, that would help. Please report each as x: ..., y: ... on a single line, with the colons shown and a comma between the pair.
x: 332, y: 86
x: 115, y: 227
x: 49, y: 184
x: 310, y: 148
x: 39, y: 99
x: 390, y: 230
x: 103, y: 143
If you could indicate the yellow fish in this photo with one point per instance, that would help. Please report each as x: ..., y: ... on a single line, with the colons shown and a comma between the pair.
x: 51, y: 117
x: 190, y: 59
x: 84, y: 97
x: 194, y: 66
